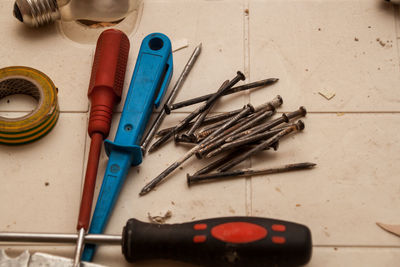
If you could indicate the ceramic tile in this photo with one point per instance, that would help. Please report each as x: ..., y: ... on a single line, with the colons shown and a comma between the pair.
x: 219, y: 59
x: 186, y: 204
x: 312, y: 46
x: 65, y: 62
x: 348, y: 48
x: 41, y: 181
x: 322, y: 256
x: 353, y: 186
x: 373, y: 257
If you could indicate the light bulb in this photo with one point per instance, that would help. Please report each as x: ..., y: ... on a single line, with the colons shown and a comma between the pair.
x: 37, y: 13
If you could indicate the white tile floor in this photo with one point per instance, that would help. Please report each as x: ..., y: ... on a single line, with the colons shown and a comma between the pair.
x: 311, y: 45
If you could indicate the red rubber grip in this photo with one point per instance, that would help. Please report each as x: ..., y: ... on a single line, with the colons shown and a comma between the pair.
x: 107, y: 79
x: 229, y: 241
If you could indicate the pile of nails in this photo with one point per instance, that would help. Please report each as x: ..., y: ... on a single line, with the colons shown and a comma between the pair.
x: 236, y: 135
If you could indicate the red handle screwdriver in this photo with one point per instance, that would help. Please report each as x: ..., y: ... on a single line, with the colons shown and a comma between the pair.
x: 105, y: 89
x: 227, y: 241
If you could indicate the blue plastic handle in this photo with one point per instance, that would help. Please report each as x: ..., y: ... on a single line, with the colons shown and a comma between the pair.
x: 150, y: 80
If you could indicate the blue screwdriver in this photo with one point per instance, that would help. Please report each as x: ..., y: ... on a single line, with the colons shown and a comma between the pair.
x: 150, y: 80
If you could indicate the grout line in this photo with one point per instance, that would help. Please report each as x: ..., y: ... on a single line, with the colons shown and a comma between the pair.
x: 356, y: 246
x: 217, y: 112
x: 396, y: 11
x: 308, y: 112
x: 246, y: 64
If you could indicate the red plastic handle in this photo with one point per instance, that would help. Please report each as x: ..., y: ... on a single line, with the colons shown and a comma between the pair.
x: 107, y: 80
x: 105, y: 89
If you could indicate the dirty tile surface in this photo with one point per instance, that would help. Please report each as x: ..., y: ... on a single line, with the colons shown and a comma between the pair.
x: 347, y: 50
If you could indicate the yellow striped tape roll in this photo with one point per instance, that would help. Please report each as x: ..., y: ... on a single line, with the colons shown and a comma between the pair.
x: 28, y: 81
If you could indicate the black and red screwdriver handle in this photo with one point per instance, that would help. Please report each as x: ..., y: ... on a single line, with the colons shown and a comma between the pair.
x: 229, y: 241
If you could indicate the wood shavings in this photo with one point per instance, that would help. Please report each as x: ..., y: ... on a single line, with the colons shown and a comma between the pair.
x: 327, y: 95
x: 394, y: 229
x: 339, y: 114
x: 159, y: 219
x: 179, y: 44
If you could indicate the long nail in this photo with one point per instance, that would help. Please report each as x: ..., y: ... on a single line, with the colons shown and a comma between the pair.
x: 190, y: 134
x: 214, y: 165
x: 207, y: 130
x: 241, y: 142
x: 189, y: 102
x: 262, y: 114
x: 210, y: 101
x: 191, y: 116
x: 298, y: 127
x: 161, y: 177
x: 269, y: 125
x: 191, y: 179
x: 157, y: 122
x: 208, y: 120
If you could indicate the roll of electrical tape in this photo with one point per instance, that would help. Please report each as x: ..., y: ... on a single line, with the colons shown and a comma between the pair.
x: 28, y: 81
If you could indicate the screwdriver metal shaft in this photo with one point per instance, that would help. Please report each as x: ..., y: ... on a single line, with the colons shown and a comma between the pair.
x: 59, y: 238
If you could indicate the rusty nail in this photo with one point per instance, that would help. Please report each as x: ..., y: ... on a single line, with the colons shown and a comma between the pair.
x: 298, y: 127
x: 191, y: 179
x: 189, y: 102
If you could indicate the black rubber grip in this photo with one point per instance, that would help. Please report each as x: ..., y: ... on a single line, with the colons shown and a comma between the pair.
x: 229, y: 241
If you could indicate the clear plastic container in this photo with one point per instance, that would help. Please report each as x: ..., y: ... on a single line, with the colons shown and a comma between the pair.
x: 37, y: 13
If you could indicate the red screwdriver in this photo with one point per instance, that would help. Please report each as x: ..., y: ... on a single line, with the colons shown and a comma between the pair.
x: 105, y: 89
x: 229, y: 241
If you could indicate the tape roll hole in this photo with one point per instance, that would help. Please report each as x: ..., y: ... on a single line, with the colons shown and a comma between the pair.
x: 19, y: 96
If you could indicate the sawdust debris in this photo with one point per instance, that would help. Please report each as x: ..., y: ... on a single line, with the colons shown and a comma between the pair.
x: 327, y: 95
x: 298, y: 205
x: 382, y: 43
x: 159, y: 219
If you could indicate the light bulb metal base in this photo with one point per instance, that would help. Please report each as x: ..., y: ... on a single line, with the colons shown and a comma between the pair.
x: 36, y: 13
